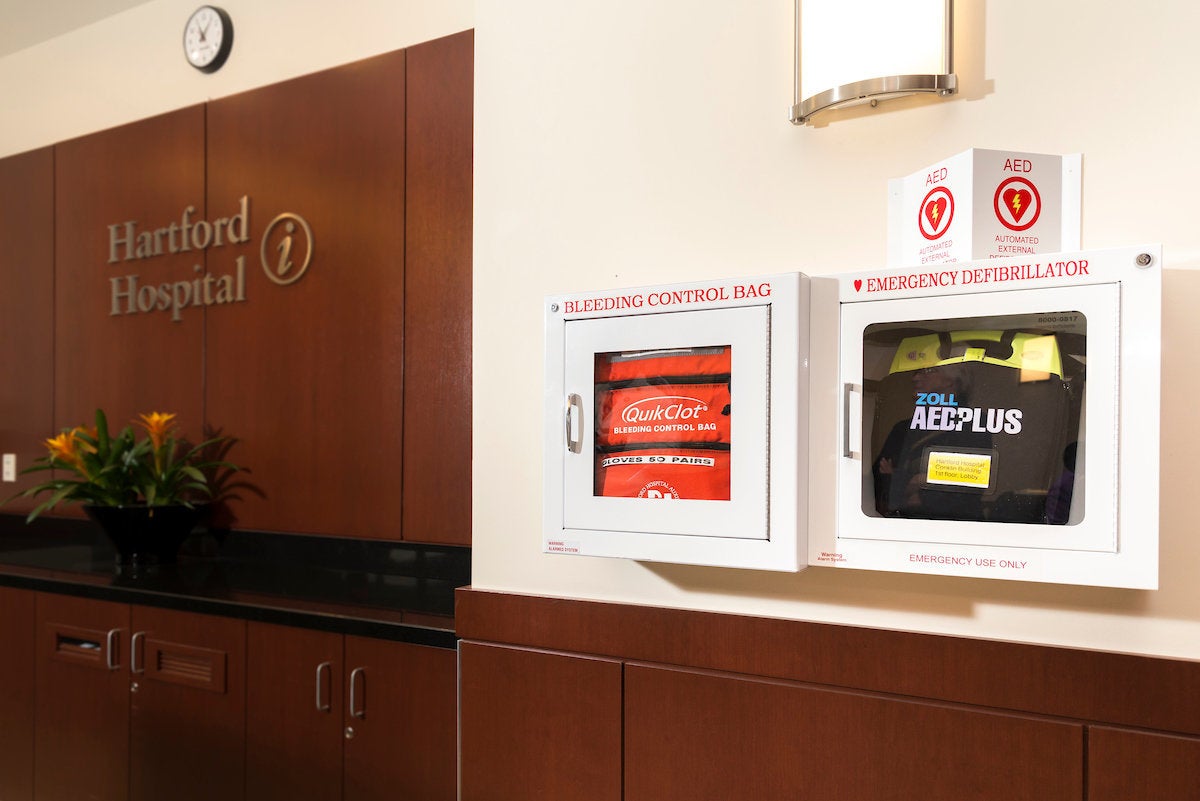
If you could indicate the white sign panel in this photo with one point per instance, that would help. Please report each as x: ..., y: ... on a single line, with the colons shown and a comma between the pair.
x: 983, y: 204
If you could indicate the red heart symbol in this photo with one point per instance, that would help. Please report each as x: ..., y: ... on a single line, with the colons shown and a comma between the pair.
x: 935, y: 210
x: 1017, y: 201
x: 858, y: 281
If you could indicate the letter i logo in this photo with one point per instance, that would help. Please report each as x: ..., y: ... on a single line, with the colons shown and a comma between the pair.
x: 936, y: 212
x: 289, y: 236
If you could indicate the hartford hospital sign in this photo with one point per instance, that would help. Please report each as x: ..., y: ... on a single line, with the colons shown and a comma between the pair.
x: 285, y: 252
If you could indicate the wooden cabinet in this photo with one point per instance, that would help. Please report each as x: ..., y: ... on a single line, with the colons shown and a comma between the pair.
x: 698, y: 735
x: 541, y: 724
x: 294, y: 711
x: 333, y: 717
x: 187, y: 706
x: 537, y: 724
x: 1125, y: 765
x: 16, y: 693
x: 81, y: 742
x: 137, y: 703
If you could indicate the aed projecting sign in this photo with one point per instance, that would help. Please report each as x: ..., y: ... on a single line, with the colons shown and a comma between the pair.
x: 673, y: 423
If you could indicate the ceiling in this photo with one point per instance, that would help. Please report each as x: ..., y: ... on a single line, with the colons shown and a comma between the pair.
x: 25, y: 23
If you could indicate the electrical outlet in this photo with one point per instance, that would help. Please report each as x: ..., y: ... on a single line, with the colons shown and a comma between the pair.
x: 10, y: 467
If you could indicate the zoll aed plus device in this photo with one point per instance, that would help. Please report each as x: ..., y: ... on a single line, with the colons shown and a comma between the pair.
x: 674, y: 430
x: 992, y: 420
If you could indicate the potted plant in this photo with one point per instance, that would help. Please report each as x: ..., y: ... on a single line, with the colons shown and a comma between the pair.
x: 146, y: 493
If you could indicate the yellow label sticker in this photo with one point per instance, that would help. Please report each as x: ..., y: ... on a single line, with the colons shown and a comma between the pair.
x: 959, y: 469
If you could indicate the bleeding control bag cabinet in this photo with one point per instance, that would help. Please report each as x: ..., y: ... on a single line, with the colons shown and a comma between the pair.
x: 674, y: 428
x: 997, y: 419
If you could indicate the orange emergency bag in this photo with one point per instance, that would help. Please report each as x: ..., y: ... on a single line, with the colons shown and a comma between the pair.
x: 663, y: 424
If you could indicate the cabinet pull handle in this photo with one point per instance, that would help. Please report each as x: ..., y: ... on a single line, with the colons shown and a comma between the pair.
x: 574, y: 402
x: 847, y: 390
x: 355, y: 711
x: 133, y: 652
x: 110, y: 656
x: 322, y: 706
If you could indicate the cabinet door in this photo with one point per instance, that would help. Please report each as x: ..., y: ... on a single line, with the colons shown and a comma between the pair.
x: 539, y: 725
x: 16, y: 693
x: 294, y: 711
x: 187, y: 707
x: 401, y: 725
x: 691, y: 735
x: 1137, y: 766
x: 81, y: 737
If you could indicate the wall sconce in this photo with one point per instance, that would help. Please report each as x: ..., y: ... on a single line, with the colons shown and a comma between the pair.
x: 850, y: 52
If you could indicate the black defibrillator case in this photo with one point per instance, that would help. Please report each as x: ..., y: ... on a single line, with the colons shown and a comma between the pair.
x: 976, y: 424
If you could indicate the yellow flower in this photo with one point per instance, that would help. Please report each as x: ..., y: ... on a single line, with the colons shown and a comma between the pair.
x: 66, y: 446
x: 62, y: 447
x: 158, y: 426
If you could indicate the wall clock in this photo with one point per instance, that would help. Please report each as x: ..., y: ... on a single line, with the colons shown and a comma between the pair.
x: 208, y: 38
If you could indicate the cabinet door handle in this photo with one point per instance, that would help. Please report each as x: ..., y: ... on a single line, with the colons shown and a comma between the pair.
x: 133, y: 652
x: 355, y: 710
x: 574, y: 403
x: 110, y: 656
x: 323, y: 706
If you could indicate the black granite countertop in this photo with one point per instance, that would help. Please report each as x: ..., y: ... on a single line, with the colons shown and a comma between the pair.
x: 388, y: 590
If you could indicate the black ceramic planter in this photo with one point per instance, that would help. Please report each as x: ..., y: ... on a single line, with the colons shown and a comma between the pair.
x: 147, y: 534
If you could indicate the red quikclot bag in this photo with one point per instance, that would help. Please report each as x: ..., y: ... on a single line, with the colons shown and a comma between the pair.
x: 663, y: 424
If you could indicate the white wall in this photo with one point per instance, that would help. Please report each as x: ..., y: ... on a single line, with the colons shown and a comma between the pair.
x: 636, y: 142
x: 630, y: 143
x: 131, y: 65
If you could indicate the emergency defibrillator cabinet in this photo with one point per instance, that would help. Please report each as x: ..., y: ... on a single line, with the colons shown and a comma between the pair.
x: 998, y: 419
x: 674, y: 430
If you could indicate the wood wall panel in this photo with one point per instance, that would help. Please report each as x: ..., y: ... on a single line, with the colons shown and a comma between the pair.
x: 437, y: 336
x: 17, y: 677
x: 1138, y: 766
x: 148, y: 172
x: 693, y: 736
x: 26, y: 313
x: 538, y: 725
x: 1074, y: 683
x: 309, y: 375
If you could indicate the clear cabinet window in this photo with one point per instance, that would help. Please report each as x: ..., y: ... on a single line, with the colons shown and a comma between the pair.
x: 663, y: 423
x: 975, y: 418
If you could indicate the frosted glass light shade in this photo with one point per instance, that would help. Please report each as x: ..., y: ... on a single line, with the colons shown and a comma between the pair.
x: 856, y: 51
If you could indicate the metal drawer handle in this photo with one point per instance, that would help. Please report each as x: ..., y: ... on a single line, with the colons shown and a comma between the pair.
x: 355, y: 711
x: 133, y: 653
x: 111, y: 649
x: 322, y: 706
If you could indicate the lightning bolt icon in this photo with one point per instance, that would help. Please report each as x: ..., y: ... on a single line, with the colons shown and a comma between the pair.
x: 934, y: 213
x: 1016, y: 202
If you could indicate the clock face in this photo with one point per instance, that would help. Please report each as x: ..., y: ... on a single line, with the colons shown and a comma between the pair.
x: 208, y: 38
